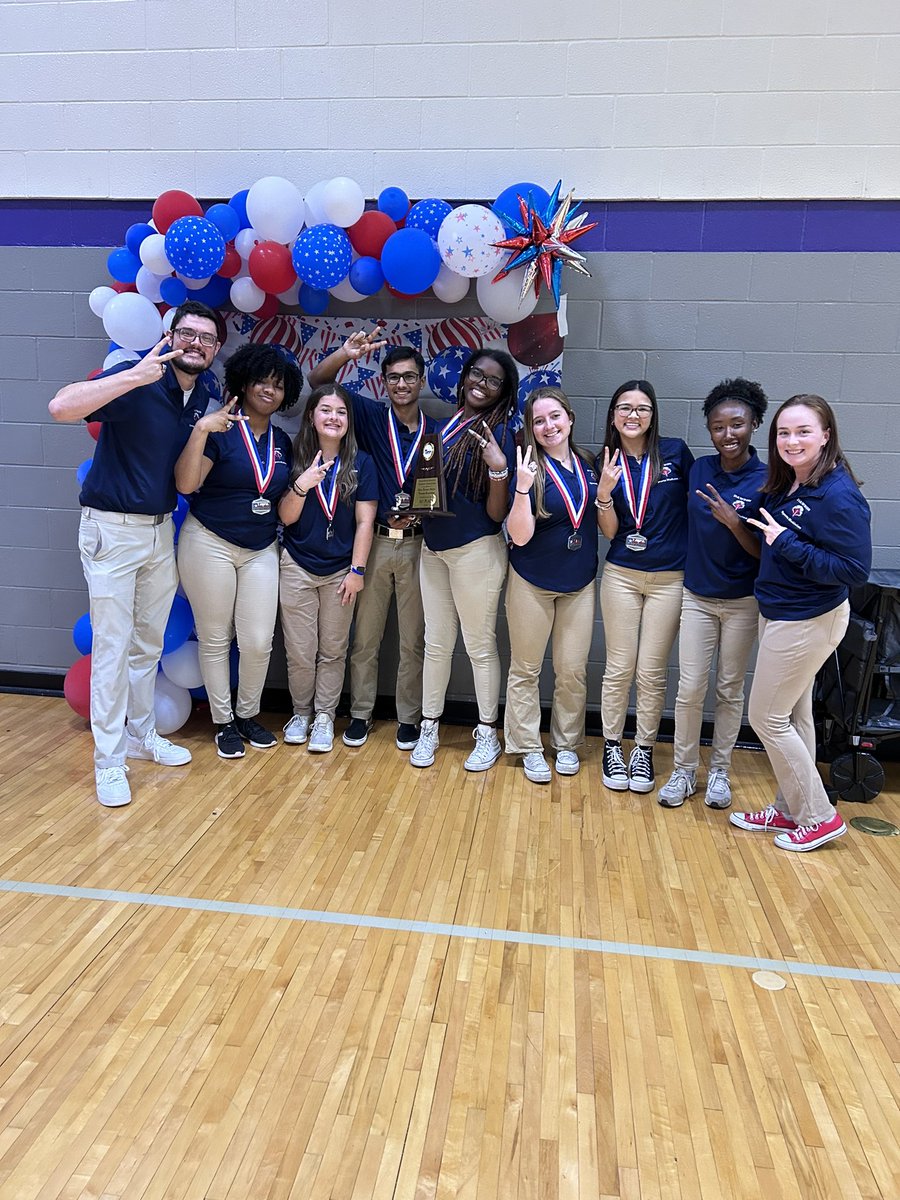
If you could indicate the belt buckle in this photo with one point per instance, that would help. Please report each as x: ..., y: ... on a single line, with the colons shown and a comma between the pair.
x: 396, y: 534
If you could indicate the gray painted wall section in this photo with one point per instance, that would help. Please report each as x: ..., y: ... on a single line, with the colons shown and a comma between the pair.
x: 827, y: 323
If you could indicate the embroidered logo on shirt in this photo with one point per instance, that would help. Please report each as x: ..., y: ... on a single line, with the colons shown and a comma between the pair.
x: 279, y: 457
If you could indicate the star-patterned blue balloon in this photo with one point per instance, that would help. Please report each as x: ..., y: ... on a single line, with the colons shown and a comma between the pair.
x: 444, y: 371
x: 195, y: 247
x: 536, y: 379
x: 211, y: 381
x: 322, y: 256
x: 428, y: 215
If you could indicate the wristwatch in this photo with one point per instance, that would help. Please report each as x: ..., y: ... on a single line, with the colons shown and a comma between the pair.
x: 358, y: 570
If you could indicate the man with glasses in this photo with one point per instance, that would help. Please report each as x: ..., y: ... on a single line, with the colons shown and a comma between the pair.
x: 391, y: 434
x: 146, y: 410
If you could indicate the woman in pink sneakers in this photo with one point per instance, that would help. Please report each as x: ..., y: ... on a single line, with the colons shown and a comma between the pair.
x: 817, y: 544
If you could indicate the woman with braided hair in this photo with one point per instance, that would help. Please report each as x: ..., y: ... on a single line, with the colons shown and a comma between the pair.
x: 464, y: 560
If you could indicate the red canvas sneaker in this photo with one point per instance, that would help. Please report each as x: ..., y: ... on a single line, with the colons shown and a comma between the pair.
x: 764, y: 820
x: 810, y: 837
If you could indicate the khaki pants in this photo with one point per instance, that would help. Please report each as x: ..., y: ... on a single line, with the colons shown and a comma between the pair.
x: 392, y: 569
x: 129, y: 565
x: 232, y: 591
x: 534, y: 616
x: 316, y: 628
x: 461, y: 589
x: 790, y: 654
x: 641, y: 611
x: 726, y: 630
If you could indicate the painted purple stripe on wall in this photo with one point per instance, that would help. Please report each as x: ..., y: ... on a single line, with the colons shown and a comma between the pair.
x: 693, y: 226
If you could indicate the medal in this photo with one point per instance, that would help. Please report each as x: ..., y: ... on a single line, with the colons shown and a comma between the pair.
x: 637, y: 505
x: 575, y: 511
x: 636, y: 542
x: 329, y: 503
x: 262, y: 475
x: 574, y: 542
x: 329, y: 532
x: 261, y: 506
x: 402, y: 500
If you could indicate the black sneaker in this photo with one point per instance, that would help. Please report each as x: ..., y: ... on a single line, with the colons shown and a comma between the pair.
x: 228, y: 742
x: 615, y: 773
x: 254, y: 733
x: 357, y: 732
x: 640, y: 769
x: 407, y: 736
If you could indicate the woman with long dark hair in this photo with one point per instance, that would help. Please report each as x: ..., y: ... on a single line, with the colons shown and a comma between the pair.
x: 550, y: 588
x: 642, y: 500
x: 234, y: 468
x: 329, y: 520
x: 463, y: 563
x: 817, y: 544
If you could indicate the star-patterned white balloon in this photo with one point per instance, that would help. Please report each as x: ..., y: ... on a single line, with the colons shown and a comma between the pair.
x: 322, y: 255
x: 195, y: 247
x: 465, y: 240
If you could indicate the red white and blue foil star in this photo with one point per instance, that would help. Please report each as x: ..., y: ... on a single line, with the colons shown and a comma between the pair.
x: 542, y: 243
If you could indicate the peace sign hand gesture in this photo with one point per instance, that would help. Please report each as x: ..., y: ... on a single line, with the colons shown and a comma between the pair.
x: 313, y: 475
x: 494, y: 458
x: 152, y: 366
x: 720, y: 509
x: 526, y: 470
x: 610, y: 474
x: 360, y: 344
x: 769, y: 526
x: 221, y: 420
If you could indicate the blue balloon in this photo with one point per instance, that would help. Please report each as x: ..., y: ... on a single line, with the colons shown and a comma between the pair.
x: 445, y: 369
x: 536, y: 379
x: 226, y: 219
x: 210, y: 381
x: 410, y: 261
x: 322, y: 256
x: 428, y: 215
x: 239, y: 203
x: 312, y: 300
x: 81, y: 473
x: 214, y: 293
x: 195, y: 247
x: 173, y: 291
x: 394, y: 202
x: 179, y: 625
x: 507, y: 203
x: 179, y: 512
x: 123, y: 265
x: 83, y: 634
x: 135, y: 234
x: 367, y: 276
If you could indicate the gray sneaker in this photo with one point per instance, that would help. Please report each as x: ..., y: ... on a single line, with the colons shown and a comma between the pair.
x: 537, y: 769
x: 718, y: 789
x: 423, y: 752
x: 682, y: 783
x: 296, y: 731
x: 321, y: 734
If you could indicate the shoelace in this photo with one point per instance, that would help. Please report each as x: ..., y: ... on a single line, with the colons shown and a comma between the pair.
x: 642, y: 761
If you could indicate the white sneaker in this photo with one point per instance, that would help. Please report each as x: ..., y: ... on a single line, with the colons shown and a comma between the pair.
x: 157, y: 749
x: 321, y: 734
x: 681, y: 784
x: 718, y: 789
x: 423, y: 752
x: 112, y: 786
x: 537, y: 768
x: 296, y: 731
x: 487, y: 749
x: 567, y: 762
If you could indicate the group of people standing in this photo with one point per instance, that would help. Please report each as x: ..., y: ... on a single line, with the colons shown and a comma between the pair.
x: 720, y: 549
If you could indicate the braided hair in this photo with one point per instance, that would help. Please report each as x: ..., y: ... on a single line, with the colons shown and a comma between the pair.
x: 475, y: 482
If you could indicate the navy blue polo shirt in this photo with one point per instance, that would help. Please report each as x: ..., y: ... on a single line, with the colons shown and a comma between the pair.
x: 665, y: 522
x: 545, y: 561
x: 306, y: 540
x: 471, y: 520
x: 717, y: 565
x: 223, y: 503
x: 370, y: 418
x: 825, y: 550
x: 142, y: 434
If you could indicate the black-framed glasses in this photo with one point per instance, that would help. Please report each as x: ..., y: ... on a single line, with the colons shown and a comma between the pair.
x: 187, y: 336
x: 489, y: 381
x: 640, y: 410
x: 410, y: 378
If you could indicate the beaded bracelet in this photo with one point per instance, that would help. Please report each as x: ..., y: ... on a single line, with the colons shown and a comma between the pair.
x: 504, y: 474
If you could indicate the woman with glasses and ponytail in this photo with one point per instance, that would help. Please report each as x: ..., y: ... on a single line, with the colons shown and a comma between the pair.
x: 464, y: 559
x: 642, y: 502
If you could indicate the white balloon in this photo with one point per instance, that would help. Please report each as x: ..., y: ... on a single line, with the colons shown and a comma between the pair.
x: 313, y: 202
x: 153, y: 255
x: 99, y: 298
x: 148, y: 284
x: 466, y: 240
x: 193, y: 285
x: 119, y: 356
x: 133, y: 321
x: 245, y: 240
x: 501, y: 300
x: 449, y: 286
x: 275, y: 209
x: 168, y: 318
x: 182, y: 666
x: 171, y: 704
x: 343, y: 201
x: 246, y: 296
x: 290, y: 296
x: 347, y: 292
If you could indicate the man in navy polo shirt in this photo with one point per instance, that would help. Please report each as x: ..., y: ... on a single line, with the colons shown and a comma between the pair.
x: 146, y: 410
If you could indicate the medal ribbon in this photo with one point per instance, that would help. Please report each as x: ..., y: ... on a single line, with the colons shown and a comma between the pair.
x: 329, y: 503
x: 401, y: 465
x: 639, y: 509
x: 455, y: 427
x: 263, y: 476
x: 576, y: 512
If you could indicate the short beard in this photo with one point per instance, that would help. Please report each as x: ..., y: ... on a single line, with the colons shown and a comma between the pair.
x: 188, y: 368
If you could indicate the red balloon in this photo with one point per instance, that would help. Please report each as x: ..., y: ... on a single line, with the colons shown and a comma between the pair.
x: 77, y: 687
x: 370, y: 233
x: 93, y: 427
x: 123, y: 287
x: 172, y: 205
x: 535, y: 341
x: 268, y: 308
x: 232, y: 263
x: 271, y: 268
x: 96, y: 371
x: 403, y: 295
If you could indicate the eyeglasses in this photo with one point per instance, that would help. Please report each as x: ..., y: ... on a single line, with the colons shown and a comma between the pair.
x: 187, y: 336
x: 410, y: 378
x: 640, y: 410
x: 489, y: 381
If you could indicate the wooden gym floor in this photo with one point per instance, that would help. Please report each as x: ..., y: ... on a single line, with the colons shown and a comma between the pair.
x: 336, y: 976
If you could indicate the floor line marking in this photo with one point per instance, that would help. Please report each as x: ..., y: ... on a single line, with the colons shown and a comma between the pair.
x: 400, y: 925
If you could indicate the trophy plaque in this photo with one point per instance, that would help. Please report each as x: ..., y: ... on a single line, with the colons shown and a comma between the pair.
x: 429, y: 486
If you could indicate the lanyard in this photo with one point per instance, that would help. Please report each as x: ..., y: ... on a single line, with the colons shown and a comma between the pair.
x: 638, y: 507
x: 329, y: 503
x: 401, y: 465
x: 455, y: 427
x: 262, y: 475
x: 575, y: 511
